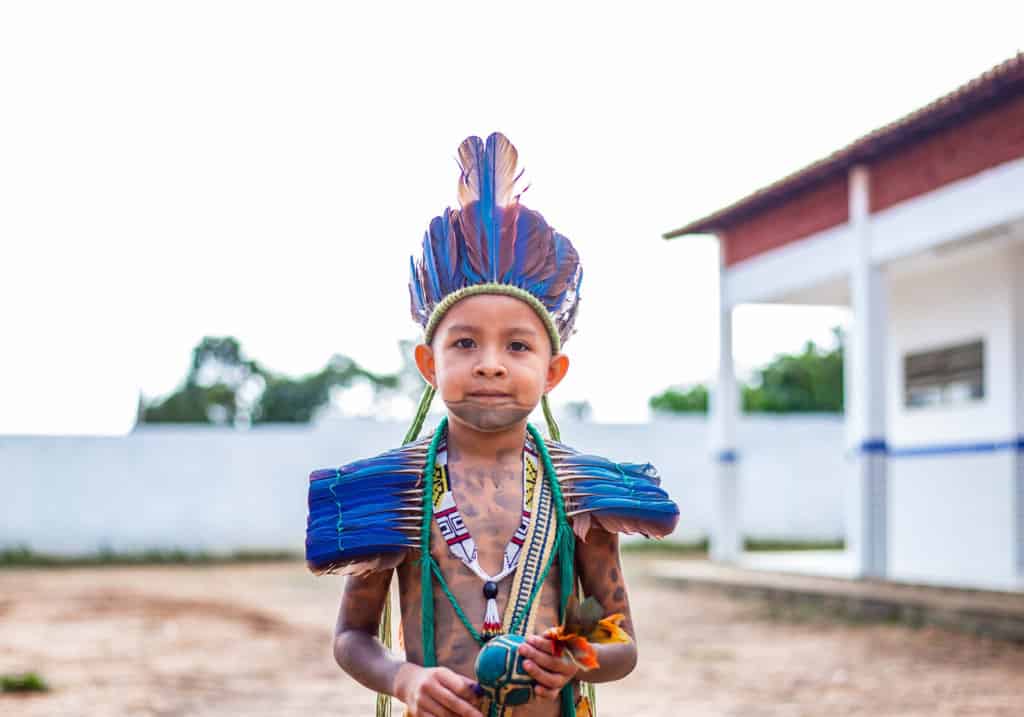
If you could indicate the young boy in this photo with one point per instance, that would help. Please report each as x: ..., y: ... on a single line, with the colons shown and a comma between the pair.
x: 497, y: 292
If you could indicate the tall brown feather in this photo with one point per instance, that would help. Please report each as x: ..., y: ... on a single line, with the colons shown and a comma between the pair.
x: 505, y: 158
x: 469, y: 179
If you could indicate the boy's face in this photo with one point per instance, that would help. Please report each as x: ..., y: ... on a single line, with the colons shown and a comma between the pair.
x: 491, y: 361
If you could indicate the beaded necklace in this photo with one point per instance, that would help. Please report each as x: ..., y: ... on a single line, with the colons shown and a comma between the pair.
x: 456, y: 534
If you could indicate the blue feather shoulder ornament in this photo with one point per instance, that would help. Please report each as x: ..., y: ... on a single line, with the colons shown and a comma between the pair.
x: 366, y: 515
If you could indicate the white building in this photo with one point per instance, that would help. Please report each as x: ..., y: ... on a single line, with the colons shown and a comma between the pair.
x: 918, y: 228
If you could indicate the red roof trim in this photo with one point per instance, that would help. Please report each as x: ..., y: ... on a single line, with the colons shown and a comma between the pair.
x: 1002, y: 82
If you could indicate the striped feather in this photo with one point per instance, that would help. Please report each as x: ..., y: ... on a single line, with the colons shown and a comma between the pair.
x: 366, y: 514
x: 621, y: 497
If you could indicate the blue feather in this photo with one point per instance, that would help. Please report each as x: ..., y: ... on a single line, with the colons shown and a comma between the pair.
x: 419, y: 302
x: 543, y: 287
x: 447, y: 267
x: 628, y: 493
x: 527, y: 224
x: 360, y: 509
x: 490, y: 214
x: 434, y: 290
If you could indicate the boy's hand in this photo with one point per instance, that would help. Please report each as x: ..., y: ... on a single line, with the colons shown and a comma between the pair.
x: 552, y: 673
x: 436, y: 692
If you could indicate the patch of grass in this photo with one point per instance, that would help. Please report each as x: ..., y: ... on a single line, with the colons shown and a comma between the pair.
x: 665, y: 547
x: 677, y: 547
x: 759, y: 545
x: 28, y: 682
x: 23, y: 556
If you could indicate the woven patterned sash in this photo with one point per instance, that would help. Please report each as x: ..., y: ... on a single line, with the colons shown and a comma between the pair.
x: 461, y: 544
x: 538, y: 544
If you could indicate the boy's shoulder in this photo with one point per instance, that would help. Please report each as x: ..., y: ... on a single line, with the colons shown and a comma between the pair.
x: 620, y: 497
x: 366, y: 515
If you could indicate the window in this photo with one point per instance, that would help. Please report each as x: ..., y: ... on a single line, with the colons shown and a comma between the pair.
x: 946, y: 376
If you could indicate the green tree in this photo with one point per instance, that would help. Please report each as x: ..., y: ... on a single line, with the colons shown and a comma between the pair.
x: 811, y: 381
x: 210, y: 393
x: 579, y: 410
x: 678, y: 399
x: 291, y: 400
x: 805, y: 382
x: 225, y: 387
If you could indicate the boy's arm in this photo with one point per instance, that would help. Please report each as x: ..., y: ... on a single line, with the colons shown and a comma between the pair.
x: 356, y: 647
x: 436, y: 691
x: 600, y: 571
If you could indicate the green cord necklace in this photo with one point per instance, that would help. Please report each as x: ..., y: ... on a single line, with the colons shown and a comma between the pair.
x: 565, y: 544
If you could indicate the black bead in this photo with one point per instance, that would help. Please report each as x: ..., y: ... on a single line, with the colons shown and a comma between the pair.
x: 490, y: 589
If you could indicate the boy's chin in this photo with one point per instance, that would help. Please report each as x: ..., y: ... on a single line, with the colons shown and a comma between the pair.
x: 488, y: 418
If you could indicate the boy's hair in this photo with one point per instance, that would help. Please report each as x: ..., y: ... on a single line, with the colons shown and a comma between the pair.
x: 493, y: 244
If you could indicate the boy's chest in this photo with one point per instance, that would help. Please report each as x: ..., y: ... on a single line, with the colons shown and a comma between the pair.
x: 490, y: 503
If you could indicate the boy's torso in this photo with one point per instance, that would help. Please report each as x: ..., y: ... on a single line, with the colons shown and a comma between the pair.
x: 490, y: 500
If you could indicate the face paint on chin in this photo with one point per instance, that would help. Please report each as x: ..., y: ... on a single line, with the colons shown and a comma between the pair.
x: 488, y: 418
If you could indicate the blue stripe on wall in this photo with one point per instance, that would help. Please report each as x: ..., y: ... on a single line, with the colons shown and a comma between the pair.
x: 940, y: 449
x: 874, y: 445
x: 879, y: 445
x: 728, y: 456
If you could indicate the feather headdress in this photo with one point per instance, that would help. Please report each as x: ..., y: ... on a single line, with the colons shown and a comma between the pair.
x: 494, y: 244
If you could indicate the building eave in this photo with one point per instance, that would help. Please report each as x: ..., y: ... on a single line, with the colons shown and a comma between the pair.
x: 999, y: 84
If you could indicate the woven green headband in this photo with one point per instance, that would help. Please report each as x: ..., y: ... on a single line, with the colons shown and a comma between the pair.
x: 493, y: 288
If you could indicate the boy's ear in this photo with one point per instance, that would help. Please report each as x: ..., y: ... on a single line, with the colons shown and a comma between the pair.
x: 424, y: 356
x: 557, y: 368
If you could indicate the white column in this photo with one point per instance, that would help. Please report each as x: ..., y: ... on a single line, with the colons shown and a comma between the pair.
x: 1017, y: 313
x: 867, y: 490
x: 724, y: 407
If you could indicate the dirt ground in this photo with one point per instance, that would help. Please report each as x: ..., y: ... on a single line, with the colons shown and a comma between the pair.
x: 255, y: 640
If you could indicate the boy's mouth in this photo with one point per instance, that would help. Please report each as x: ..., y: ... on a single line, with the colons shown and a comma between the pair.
x: 495, y: 396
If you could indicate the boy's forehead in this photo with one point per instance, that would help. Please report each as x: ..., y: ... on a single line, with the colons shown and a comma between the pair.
x: 492, y: 311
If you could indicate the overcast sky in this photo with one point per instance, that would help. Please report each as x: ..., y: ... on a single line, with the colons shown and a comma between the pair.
x: 175, y: 170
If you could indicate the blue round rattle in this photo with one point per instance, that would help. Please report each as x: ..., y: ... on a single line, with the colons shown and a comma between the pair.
x: 499, y: 670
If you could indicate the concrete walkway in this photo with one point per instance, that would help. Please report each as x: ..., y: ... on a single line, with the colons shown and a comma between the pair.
x: 993, y: 613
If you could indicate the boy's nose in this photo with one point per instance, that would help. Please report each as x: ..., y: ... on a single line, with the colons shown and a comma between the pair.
x: 489, y: 368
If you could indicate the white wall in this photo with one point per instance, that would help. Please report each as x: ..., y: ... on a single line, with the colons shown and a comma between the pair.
x: 948, y: 301
x: 951, y: 514
x: 217, y: 489
x: 951, y: 519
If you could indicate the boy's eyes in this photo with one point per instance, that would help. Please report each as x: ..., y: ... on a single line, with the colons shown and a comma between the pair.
x: 468, y: 343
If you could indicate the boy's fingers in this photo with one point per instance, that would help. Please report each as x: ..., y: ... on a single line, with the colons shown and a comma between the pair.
x: 461, y: 686
x: 452, y: 703
x: 546, y: 693
x: 546, y: 660
x: 431, y: 708
x: 543, y: 677
x: 541, y: 643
